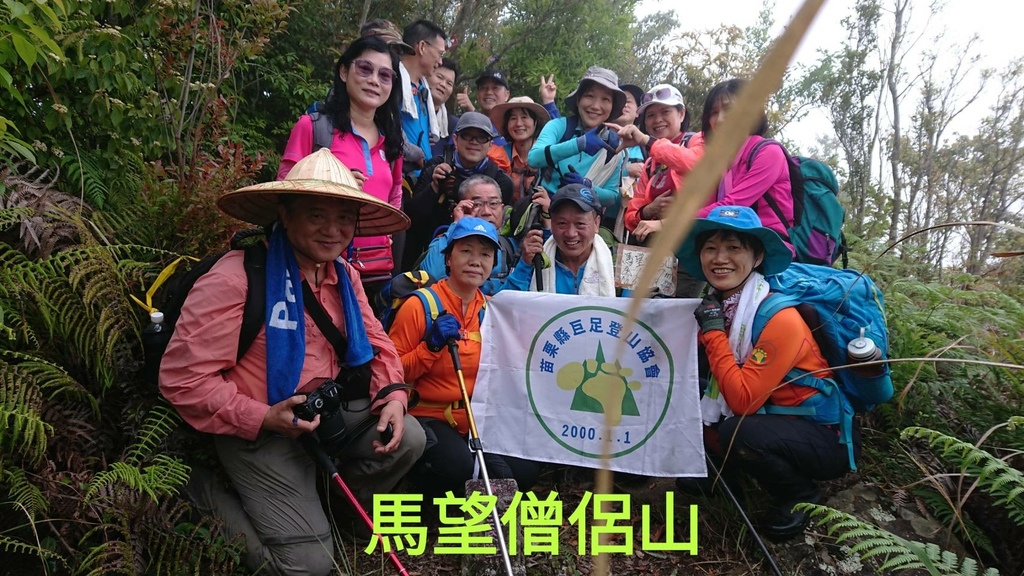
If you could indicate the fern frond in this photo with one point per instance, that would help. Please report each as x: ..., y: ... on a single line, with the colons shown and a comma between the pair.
x: 161, y: 478
x: 23, y: 493
x: 24, y: 431
x: 900, y: 554
x: 994, y: 476
x: 13, y: 546
x: 160, y: 422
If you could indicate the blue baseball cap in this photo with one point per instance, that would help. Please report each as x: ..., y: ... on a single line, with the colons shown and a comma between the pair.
x: 471, y: 226
x: 777, y: 256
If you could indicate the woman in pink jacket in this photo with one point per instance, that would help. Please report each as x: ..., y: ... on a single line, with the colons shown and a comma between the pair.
x: 363, y: 109
x: 756, y: 178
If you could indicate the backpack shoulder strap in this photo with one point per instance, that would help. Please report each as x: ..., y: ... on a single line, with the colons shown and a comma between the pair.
x: 769, y: 307
x: 432, y: 307
x: 323, y: 130
x: 571, y: 123
x: 757, y: 148
x: 255, y: 263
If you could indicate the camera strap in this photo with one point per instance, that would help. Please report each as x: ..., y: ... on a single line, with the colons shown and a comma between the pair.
x: 336, y: 338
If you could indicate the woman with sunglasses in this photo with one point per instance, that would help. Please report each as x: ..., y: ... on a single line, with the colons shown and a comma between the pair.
x: 363, y: 109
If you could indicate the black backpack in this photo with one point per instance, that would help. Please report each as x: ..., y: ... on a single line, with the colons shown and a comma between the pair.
x: 176, y: 285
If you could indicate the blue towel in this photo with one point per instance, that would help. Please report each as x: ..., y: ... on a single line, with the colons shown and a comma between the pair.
x: 285, y: 322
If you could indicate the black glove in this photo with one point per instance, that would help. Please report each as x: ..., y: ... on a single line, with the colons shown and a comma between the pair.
x: 709, y: 314
x: 445, y: 327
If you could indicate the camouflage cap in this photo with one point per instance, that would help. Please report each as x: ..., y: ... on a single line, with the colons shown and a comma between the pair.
x: 387, y: 30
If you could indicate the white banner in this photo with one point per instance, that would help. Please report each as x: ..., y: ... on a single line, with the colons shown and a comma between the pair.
x: 553, y: 366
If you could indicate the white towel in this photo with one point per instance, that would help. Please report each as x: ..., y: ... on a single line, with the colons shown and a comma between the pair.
x: 713, y: 406
x: 442, y: 122
x: 598, y: 275
x: 409, y: 102
x: 602, y: 168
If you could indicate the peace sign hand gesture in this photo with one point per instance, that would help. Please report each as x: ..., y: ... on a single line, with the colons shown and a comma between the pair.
x: 548, y: 89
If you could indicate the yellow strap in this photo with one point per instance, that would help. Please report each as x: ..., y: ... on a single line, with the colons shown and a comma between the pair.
x: 160, y: 279
x: 448, y: 407
x: 474, y: 336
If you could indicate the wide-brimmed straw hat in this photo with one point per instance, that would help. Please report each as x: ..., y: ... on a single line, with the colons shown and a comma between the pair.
x: 319, y: 174
x: 603, y: 77
x: 777, y: 256
x: 497, y: 114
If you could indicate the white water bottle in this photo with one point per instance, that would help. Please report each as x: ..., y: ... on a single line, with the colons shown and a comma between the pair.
x: 863, y: 349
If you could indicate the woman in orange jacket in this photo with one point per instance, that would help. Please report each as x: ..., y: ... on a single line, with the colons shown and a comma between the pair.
x: 447, y: 462
x: 750, y: 387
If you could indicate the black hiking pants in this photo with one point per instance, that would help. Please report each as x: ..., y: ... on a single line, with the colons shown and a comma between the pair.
x: 784, y: 454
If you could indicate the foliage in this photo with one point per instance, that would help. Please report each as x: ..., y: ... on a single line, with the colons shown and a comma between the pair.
x: 898, y: 553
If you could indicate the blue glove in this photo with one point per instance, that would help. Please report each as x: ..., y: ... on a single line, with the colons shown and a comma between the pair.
x: 592, y: 142
x: 445, y: 327
x: 612, y: 140
x: 709, y: 314
x: 574, y: 177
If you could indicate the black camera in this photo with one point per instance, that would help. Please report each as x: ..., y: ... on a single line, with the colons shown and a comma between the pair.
x: 326, y: 401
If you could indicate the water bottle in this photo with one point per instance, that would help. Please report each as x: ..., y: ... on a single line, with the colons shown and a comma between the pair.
x: 863, y: 349
x: 154, y: 341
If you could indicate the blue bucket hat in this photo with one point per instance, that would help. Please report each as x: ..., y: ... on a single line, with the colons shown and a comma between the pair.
x: 777, y: 256
x: 471, y: 226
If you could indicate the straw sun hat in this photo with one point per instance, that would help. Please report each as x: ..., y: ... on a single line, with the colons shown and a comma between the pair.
x: 319, y: 174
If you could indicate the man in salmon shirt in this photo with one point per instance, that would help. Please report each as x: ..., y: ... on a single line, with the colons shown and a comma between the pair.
x: 248, y: 403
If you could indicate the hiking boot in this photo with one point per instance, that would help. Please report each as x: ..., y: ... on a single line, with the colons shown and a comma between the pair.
x: 783, y: 523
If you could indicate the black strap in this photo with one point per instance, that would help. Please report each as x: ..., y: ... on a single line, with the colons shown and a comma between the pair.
x: 778, y: 213
x: 253, y: 313
x: 323, y: 322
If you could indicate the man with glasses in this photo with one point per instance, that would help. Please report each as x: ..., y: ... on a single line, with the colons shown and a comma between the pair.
x: 442, y: 85
x: 419, y: 119
x: 479, y: 196
x: 434, y: 196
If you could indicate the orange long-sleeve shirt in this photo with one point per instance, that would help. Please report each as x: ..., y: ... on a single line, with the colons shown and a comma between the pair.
x: 433, y: 373
x: 785, y: 343
x: 677, y: 159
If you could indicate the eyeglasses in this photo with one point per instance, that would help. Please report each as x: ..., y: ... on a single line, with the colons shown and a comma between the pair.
x: 493, y: 203
x: 440, y: 51
x: 661, y: 94
x: 478, y: 138
x: 365, y: 69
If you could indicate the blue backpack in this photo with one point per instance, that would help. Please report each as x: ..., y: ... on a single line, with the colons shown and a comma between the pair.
x: 836, y: 305
x: 817, y: 231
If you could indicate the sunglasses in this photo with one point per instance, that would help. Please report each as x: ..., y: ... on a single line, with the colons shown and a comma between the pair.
x: 365, y: 69
x: 478, y: 138
x: 659, y: 94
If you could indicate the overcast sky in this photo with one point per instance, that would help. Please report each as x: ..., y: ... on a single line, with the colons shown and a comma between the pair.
x: 998, y: 36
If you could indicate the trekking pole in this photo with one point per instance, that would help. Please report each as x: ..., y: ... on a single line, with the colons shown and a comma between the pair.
x: 743, y: 514
x: 477, y: 447
x: 327, y: 465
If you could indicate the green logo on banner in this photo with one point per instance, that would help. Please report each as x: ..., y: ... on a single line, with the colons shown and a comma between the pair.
x: 582, y: 369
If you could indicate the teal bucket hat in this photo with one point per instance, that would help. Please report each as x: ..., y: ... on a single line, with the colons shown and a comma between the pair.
x: 777, y: 256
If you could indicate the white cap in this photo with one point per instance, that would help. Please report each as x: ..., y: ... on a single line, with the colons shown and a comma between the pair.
x: 156, y: 317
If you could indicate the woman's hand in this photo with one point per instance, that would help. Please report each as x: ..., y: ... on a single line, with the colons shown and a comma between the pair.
x: 360, y: 178
x: 629, y: 135
x: 635, y: 169
x: 656, y: 208
x: 548, y: 89
x: 646, y: 227
x: 541, y: 198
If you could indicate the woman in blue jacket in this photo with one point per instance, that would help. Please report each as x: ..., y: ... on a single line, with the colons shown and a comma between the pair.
x: 581, y: 146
